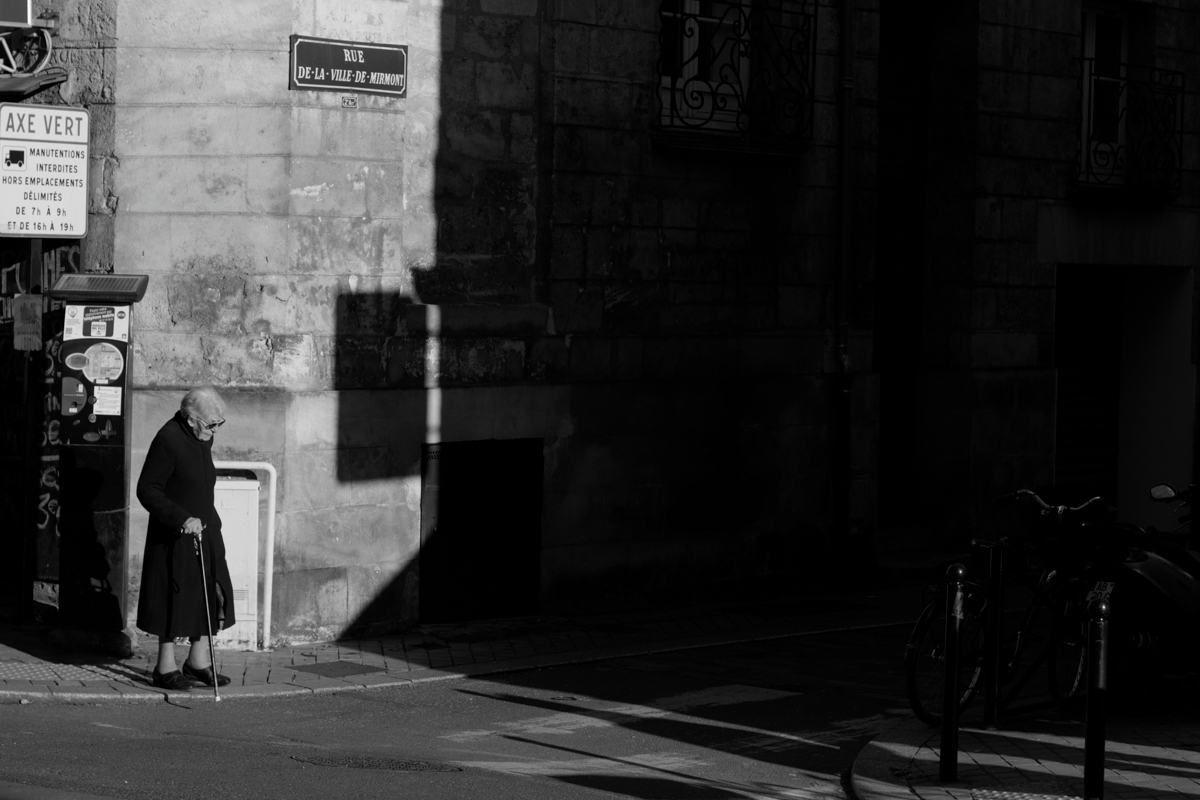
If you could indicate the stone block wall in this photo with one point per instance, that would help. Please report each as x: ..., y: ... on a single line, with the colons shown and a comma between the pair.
x: 505, y: 253
x: 696, y: 288
x: 997, y: 216
x: 256, y: 211
x: 1019, y: 149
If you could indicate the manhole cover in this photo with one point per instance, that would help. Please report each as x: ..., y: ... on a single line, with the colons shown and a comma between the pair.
x: 336, y: 669
x: 369, y: 762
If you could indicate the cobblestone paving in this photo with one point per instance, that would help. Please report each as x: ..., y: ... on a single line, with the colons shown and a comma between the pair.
x: 1042, y: 760
x: 31, y: 668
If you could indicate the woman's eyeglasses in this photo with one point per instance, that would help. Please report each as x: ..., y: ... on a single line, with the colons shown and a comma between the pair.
x: 209, y: 426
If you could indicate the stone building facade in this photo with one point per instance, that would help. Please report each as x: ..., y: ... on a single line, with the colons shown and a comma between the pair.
x: 1048, y: 156
x: 527, y: 340
x: 396, y: 299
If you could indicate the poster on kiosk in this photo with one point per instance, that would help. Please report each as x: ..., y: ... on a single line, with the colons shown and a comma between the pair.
x: 94, y: 355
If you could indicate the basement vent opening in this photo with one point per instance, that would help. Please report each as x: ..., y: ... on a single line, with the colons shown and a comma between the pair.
x: 369, y: 762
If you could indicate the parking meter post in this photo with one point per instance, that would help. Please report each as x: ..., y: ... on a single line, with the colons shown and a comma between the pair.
x: 94, y: 342
x: 1094, y: 738
x: 948, y: 765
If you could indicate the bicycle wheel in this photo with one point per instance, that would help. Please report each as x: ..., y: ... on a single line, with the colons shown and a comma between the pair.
x: 1067, y: 662
x: 925, y: 658
x: 31, y: 49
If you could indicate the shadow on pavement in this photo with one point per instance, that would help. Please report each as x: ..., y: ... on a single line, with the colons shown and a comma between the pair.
x: 729, y: 737
x: 673, y: 785
x: 41, y: 654
x: 649, y: 788
x: 797, y: 706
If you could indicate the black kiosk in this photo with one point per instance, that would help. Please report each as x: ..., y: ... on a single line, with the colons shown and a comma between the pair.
x: 91, y: 377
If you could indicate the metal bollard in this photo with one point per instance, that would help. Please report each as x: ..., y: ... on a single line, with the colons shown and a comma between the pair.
x: 948, y: 766
x: 1094, y: 739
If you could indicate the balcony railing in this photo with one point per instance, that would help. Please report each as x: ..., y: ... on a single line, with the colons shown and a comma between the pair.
x: 1131, y: 130
x: 737, y: 73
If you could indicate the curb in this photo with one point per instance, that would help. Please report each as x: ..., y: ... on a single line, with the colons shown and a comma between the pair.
x: 21, y: 791
x: 121, y: 692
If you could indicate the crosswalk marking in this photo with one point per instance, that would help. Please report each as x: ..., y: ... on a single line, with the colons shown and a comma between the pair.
x: 666, y: 766
x: 641, y: 764
x: 672, y: 708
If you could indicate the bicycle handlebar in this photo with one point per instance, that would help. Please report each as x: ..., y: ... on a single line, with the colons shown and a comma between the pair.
x: 1047, y: 508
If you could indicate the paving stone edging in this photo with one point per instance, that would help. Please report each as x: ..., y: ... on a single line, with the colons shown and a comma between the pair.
x: 884, y: 768
x: 123, y: 692
x: 1037, y: 758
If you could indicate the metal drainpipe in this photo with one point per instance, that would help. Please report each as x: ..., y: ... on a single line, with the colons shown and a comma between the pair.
x: 844, y: 378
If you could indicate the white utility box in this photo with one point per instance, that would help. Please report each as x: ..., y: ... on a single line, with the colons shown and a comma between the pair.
x: 236, y: 499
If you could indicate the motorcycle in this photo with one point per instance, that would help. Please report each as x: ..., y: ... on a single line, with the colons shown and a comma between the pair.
x: 1152, y: 583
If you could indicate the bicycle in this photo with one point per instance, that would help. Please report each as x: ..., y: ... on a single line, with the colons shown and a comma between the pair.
x: 1054, y: 621
x: 24, y: 51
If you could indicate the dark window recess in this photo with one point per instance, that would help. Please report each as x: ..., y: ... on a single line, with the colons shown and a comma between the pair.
x: 737, y: 74
x: 1131, y: 120
x: 481, y: 511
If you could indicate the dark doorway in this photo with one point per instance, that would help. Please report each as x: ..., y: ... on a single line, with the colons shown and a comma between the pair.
x: 481, y: 511
x: 1087, y: 341
x: 20, y: 388
x: 28, y: 443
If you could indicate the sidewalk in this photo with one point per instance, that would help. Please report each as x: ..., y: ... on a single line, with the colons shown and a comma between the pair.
x: 33, y: 670
x: 1035, y: 757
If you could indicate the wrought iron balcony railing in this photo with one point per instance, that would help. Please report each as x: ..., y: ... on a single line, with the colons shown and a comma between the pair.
x: 739, y: 72
x: 1131, y: 129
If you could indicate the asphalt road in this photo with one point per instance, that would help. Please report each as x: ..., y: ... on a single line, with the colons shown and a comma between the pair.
x: 778, y: 719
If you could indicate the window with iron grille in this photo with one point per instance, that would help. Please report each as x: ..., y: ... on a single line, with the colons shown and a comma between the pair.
x: 1130, y: 136
x: 737, y: 73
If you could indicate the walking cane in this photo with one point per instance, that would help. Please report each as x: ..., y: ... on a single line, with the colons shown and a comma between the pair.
x: 212, y: 657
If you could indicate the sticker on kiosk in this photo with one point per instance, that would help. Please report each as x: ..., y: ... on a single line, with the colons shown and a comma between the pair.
x: 96, y: 322
x: 108, y: 401
x: 101, y: 363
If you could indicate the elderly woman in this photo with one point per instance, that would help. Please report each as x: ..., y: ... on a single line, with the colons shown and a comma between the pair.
x: 176, y: 487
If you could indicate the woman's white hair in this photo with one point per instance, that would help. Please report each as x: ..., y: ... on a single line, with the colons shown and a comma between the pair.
x: 204, y: 402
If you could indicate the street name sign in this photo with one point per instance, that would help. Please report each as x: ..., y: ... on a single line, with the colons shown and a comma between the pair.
x: 43, y: 170
x: 334, y: 65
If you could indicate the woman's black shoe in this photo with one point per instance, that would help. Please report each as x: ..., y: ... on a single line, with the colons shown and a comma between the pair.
x: 204, y: 675
x: 175, y: 681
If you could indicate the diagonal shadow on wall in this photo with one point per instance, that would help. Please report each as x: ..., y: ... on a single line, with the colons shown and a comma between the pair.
x: 380, y: 432
x: 471, y: 279
x: 687, y: 302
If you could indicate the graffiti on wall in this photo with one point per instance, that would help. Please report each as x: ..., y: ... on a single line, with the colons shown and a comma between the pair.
x: 47, y: 548
x: 28, y: 400
x: 15, y: 277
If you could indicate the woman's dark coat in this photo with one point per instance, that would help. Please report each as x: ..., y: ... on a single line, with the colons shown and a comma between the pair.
x: 176, y: 483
